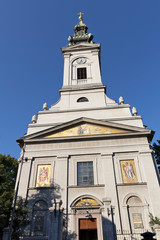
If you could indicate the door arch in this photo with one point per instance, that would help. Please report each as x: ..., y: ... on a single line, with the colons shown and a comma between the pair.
x: 86, y: 212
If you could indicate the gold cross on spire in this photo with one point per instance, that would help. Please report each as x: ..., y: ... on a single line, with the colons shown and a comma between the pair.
x: 80, y: 16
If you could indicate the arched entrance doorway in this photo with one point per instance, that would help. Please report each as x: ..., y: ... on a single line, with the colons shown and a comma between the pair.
x: 87, y: 218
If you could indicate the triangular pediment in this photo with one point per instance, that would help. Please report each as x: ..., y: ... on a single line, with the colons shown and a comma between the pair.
x: 85, y: 127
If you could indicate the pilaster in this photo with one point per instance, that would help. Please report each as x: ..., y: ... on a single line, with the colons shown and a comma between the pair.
x: 66, y: 72
x: 61, y: 177
x: 152, y: 180
x: 24, y: 175
x: 110, y: 185
x: 55, y: 220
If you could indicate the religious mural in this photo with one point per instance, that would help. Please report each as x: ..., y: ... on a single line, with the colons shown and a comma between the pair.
x: 86, y: 129
x: 86, y: 202
x: 43, y: 176
x: 128, y: 171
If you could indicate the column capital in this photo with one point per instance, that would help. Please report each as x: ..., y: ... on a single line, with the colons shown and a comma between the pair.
x: 106, y: 154
x: 107, y: 201
x: 62, y: 157
x: 146, y: 152
x: 66, y: 55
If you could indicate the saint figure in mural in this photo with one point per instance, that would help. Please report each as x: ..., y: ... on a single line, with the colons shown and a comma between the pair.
x: 80, y: 131
x: 43, y: 175
x: 86, y: 130
x: 129, y: 171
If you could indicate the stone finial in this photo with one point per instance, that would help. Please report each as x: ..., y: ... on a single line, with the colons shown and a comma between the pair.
x: 121, y: 100
x: 134, y: 111
x: 45, y: 106
x: 34, y: 119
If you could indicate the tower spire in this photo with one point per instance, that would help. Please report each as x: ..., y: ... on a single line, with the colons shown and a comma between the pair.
x: 81, y: 34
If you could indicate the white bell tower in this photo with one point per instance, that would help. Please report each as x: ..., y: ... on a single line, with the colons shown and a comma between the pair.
x: 81, y: 58
x: 82, y: 65
x: 82, y: 85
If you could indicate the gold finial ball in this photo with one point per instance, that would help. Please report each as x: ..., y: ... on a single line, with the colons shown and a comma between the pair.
x: 80, y: 18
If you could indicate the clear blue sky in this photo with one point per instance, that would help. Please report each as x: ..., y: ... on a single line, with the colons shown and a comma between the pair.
x: 31, y: 63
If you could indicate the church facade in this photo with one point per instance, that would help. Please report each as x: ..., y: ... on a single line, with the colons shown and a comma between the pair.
x: 86, y: 167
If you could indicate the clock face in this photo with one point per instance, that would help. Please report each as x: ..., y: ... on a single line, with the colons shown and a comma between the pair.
x: 81, y: 60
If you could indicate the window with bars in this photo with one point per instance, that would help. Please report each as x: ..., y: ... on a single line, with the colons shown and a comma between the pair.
x: 81, y: 73
x: 85, y: 173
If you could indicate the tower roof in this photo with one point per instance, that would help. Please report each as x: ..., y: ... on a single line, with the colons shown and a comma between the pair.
x: 81, y: 34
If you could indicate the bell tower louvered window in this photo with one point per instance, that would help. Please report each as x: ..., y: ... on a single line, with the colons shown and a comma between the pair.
x: 81, y: 73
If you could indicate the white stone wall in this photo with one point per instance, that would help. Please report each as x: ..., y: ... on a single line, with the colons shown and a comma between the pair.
x: 103, y: 153
x: 106, y: 154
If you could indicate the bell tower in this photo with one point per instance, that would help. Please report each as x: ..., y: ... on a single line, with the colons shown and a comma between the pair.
x: 82, y: 72
x: 81, y: 58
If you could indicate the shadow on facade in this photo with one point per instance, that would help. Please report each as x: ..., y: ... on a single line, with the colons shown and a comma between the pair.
x: 45, y: 212
x: 49, y: 220
x: 105, y: 230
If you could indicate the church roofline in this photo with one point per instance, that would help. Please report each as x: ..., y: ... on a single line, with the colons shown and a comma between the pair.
x: 31, y: 125
x: 133, y: 130
x: 88, y: 109
x: 148, y: 134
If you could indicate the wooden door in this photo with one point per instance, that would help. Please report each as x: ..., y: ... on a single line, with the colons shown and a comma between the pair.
x: 88, y: 229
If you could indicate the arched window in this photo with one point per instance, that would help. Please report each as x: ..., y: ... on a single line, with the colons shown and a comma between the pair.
x: 39, y: 223
x: 82, y: 99
x: 135, y: 213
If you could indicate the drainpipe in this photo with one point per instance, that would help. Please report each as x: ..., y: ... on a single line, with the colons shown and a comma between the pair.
x: 117, y: 196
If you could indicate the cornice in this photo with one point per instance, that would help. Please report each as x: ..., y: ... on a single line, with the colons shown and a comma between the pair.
x: 88, y: 87
x: 146, y: 152
x: 88, y: 137
x: 132, y: 184
x: 80, y: 47
x: 85, y: 109
x: 88, y: 186
x: 31, y: 125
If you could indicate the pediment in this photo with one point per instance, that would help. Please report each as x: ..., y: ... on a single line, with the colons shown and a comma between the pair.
x: 85, y: 127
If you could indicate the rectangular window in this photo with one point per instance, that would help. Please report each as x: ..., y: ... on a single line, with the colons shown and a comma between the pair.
x: 85, y: 173
x: 81, y: 73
